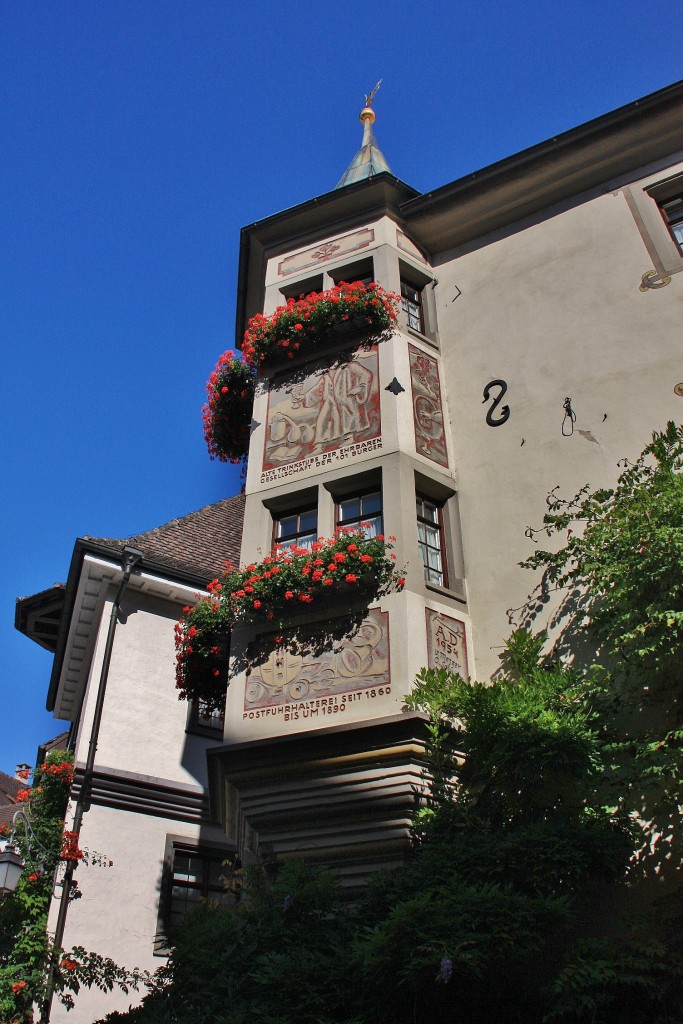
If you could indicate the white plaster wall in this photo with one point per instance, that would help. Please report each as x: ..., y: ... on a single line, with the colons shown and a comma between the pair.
x: 554, y: 308
x: 116, y: 915
x: 143, y: 722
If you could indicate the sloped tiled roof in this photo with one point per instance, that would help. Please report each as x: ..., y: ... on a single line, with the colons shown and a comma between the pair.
x: 198, y: 543
x: 9, y: 787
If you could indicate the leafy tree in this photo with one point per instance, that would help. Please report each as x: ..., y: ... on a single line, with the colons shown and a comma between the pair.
x: 540, y: 886
x: 25, y: 946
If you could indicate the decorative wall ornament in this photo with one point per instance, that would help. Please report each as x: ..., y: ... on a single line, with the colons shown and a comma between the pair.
x: 446, y: 643
x: 318, y: 254
x: 430, y: 436
x: 653, y: 279
x: 335, y: 407
x: 357, y: 662
x: 395, y: 387
x: 569, y: 418
x: 505, y: 411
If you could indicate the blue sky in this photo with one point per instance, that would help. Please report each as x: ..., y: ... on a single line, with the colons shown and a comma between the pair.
x: 138, y: 138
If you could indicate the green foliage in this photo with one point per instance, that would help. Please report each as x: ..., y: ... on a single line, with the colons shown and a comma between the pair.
x: 25, y: 947
x: 541, y: 884
x: 279, y: 956
x: 626, y: 556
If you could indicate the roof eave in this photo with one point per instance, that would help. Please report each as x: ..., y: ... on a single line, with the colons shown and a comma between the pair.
x: 583, y: 158
x: 82, y: 548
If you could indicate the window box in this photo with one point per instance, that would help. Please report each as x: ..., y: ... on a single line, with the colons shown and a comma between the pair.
x: 305, y: 326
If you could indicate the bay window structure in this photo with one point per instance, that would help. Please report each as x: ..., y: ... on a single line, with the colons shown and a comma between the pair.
x: 361, y: 510
x: 430, y: 534
x: 296, y: 529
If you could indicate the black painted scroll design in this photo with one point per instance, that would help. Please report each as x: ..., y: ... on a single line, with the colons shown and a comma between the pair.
x: 505, y: 410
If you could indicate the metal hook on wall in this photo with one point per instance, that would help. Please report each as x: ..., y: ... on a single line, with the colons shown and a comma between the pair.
x: 569, y: 418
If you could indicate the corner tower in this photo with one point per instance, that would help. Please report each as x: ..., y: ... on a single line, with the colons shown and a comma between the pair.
x: 319, y: 757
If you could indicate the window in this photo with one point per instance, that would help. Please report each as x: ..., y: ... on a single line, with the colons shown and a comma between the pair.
x: 361, y: 270
x: 430, y: 535
x: 204, y: 721
x: 672, y: 212
x: 657, y: 209
x: 411, y: 301
x: 197, y: 874
x: 192, y: 873
x: 364, y: 510
x: 296, y: 529
x: 295, y: 291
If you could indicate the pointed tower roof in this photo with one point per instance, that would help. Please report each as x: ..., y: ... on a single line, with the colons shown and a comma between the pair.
x: 369, y: 159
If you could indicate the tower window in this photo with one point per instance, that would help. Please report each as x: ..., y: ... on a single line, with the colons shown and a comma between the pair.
x: 296, y: 529
x: 361, y: 510
x: 430, y: 535
x: 411, y: 302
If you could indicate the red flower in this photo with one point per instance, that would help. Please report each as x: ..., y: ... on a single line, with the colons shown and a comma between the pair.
x: 339, y: 556
x: 34, y: 877
x: 257, y: 604
x: 352, y: 547
x: 366, y: 558
x: 351, y: 578
x: 17, y: 986
x: 327, y: 582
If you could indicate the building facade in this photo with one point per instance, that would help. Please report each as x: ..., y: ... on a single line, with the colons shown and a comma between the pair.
x: 538, y: 343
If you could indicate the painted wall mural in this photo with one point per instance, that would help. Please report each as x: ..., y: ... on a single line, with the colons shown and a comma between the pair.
x: 354, y: 668
x: 446, y: 643
x: 330, y: 415
x: 430, y: 436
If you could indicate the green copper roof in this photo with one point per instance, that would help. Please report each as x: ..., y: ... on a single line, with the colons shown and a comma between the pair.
x: 368, y: 160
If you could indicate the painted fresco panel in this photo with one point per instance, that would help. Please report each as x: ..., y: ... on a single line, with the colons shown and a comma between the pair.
x: 357, y: 662
x: 446, y: 643
x: 430, y: 436
x: 330, y: 414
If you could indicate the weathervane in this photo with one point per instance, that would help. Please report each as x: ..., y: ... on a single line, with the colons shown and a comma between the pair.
x: 370, y: 98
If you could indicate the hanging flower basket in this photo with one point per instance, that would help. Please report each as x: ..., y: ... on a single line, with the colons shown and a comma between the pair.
x: 344, y: 570
x: 202, y: 646
x: 228, y: 411
x: 309, y: 323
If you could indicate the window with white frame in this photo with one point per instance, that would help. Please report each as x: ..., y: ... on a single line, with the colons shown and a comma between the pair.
x: 362, y: 510
x: 431, y: 543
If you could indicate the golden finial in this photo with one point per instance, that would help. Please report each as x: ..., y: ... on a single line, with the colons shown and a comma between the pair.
x: 367, y: 113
